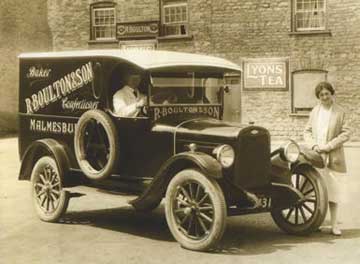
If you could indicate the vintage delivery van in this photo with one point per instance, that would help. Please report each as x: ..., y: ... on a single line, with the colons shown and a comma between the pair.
x: 177, y: 147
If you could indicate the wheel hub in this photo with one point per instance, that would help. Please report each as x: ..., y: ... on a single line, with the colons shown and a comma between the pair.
x: 187, y: 211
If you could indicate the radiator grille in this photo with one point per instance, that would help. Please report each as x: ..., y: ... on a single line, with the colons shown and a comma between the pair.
x: 252, y: 165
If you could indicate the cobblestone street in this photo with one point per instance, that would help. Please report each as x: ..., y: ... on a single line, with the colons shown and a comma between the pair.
x: 102, y: 228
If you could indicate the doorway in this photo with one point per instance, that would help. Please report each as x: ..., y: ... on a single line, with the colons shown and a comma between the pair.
x: 232, y: 98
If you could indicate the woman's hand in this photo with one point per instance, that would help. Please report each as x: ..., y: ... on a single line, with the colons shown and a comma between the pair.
x: 316, y: 148
x: 322, y: 149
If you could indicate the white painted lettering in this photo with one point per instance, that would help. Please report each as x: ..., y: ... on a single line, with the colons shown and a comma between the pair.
x: 29, y: 109
x: 59, y: 88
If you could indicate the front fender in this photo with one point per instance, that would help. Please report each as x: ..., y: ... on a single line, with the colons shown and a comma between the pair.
x: 280, y: 171
x: 41, y: 148
x: 152, y: 196
x: 207, y: 164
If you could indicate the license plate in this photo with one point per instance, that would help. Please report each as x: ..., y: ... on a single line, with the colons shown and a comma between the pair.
x: 265, y: 202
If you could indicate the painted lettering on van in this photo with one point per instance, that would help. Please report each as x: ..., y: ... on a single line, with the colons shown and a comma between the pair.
x: 60, y: 88
x: 52, y: 127
x: 78, y: 104
x: 38, y: 72
x: 213, y: 111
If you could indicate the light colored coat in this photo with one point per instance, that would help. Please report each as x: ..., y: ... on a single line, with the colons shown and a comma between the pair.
x: 338, y: 133
x: 124, y: 102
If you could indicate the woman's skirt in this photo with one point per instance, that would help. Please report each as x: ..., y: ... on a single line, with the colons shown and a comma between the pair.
x: 335, y: 184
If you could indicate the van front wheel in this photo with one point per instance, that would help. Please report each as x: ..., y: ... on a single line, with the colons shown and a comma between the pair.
x: 309, y: 213
x: 49, y: 198
x: 195, y: 210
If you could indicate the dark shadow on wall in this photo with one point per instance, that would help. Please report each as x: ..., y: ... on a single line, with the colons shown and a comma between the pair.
x: 23, y: 28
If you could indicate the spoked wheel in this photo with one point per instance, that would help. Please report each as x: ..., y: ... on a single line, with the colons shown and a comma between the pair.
x: 49, y: 199
x: 195, y: 210
x: 306, y: 216
x: 96, y: 144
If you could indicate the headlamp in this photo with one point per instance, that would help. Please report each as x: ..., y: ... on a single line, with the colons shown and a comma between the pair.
x: 225, y: 155
x: 291, y: 151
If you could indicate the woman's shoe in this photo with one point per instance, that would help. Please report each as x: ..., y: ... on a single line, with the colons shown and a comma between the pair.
x: 336, y: 231
x: 319, y: 229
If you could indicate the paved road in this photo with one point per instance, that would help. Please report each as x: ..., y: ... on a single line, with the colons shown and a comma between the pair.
x: 102, y: 228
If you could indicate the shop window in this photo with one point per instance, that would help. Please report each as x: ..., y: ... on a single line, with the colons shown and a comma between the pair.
x: 174, y: 17
x: 309, y: 15
x: 303, y: 89
x: 103, y: 21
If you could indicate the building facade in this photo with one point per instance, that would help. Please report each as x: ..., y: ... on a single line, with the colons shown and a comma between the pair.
x: 23, y: 28
x: 284, y: 46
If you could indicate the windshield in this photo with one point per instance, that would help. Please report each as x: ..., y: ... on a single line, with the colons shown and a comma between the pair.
x: 185, y: 88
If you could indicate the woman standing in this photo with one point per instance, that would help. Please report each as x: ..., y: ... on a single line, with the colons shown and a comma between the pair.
x: 326, y: 132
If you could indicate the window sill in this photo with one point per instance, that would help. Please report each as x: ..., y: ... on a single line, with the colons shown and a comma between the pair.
x: 299, y: 114
x: 310, y: 32
x: 110, y: 41
x: 180, y: 37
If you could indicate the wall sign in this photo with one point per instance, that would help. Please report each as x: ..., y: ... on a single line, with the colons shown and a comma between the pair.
x: 147, y: 44
x: 144, y: 29
x: 266, y: 74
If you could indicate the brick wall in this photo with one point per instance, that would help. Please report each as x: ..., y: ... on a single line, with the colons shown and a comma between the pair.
x: 238, y: 29
x: 23, y: 28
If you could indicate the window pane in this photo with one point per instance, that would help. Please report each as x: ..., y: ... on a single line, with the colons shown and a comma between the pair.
x: 304, y: 87
x: 167, y: 19
x: 183, y: 29
x: 299, y: 5
x: 175, y: 18
x: 310, y: 14
x: 104, y: 23
x: 309, y: 4
x: 184, y: 17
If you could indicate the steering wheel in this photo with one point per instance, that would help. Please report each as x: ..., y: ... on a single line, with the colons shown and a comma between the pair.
x: 164, y: 98
x: 170, y: 99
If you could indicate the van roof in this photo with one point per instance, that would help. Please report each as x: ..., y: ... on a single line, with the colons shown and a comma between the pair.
x: 146, y: 59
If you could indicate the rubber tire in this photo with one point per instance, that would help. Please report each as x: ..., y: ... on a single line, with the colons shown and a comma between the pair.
x: 322, y: 204
x: 216, y: 194
x: 64, y: 195
x: 111, y: 132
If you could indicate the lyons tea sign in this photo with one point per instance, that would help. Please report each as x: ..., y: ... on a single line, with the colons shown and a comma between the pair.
x: 266, y: 74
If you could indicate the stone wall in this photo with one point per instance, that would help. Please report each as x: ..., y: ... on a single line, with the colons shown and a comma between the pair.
x: 239, y: 29
x: 259, y: 29
x: 23, y: 28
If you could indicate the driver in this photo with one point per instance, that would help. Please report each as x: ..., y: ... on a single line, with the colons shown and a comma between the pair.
x: 128, y: 101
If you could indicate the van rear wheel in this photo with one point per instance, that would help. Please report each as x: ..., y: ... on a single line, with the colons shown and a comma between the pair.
x: 49, y: 198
